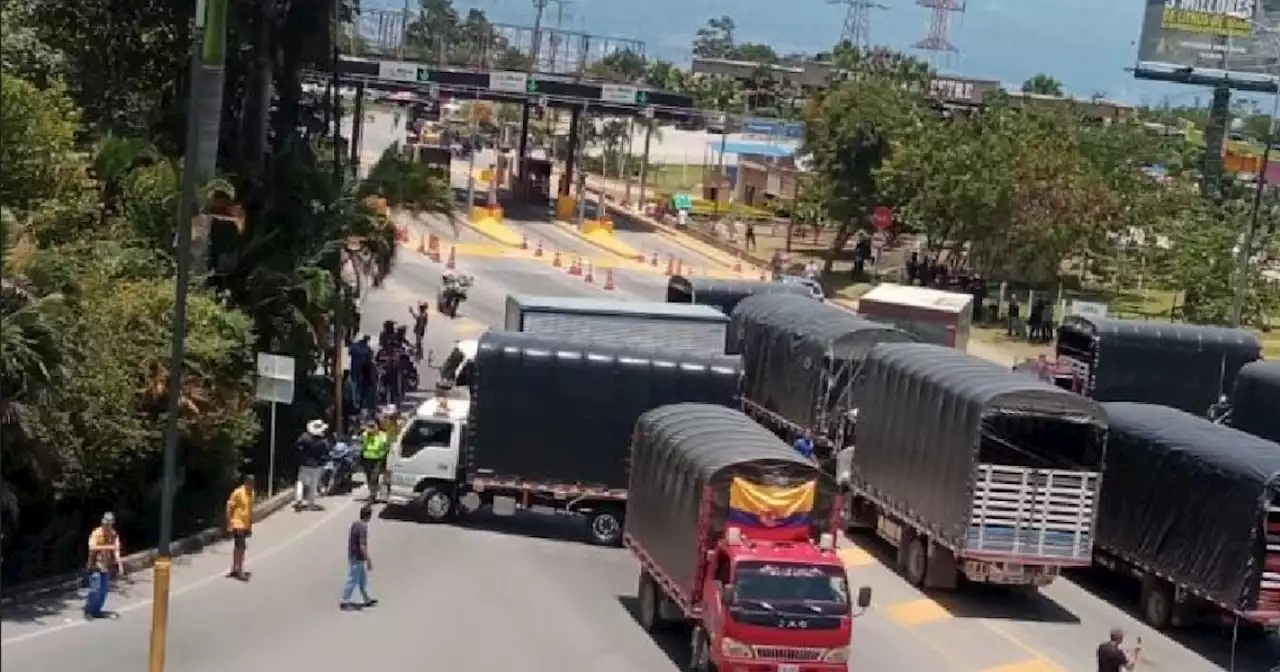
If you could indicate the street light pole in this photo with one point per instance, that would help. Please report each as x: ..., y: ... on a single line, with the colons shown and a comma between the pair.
x: 1245, y: 252
x: 207, y: 51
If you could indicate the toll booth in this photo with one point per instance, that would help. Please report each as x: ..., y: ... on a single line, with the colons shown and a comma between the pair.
x: 435, y: 155
x: 537, y: 179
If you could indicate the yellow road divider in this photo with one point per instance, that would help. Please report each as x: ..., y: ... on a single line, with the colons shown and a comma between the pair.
x: 489, y: 222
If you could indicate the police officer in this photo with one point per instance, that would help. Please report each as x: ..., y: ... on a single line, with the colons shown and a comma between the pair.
x: 373, y: 456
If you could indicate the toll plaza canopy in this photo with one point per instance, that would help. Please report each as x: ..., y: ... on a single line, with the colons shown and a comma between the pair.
x: 520, y: 87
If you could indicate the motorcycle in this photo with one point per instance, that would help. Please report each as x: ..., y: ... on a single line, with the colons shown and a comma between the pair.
x: 336, y: 475
x: 453, y: 291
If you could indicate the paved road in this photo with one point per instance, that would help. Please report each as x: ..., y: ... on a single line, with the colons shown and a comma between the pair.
x: 524, y: 594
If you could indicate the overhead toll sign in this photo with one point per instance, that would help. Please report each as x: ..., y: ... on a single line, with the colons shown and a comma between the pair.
x: 509, y: 82
x: 399, y: 71
x: 614, y: 93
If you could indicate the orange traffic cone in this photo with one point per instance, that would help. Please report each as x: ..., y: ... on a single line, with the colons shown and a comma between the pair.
x: 538, y: 251
x: 575, y: 268
x: 422, y: 245
x: 590, y: 275
x: 654, y: 260
x: 608, y: 279
x: 679, y: 267
x: 524, y: 242
x: 433, y: 248
x: 671, y: 265
x: 453, y: 261
x: 555, y: 260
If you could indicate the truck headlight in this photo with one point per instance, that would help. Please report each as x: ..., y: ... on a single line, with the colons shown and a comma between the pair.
x: 735, y: 649
x: 840, y: 655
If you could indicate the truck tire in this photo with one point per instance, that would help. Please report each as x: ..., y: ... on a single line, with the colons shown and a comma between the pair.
x: 1157, y: 603
x: 435, y: 505
x: 648, y: 603
x: 604, y: 527
x: 700, y: 651
x: 916, y: 566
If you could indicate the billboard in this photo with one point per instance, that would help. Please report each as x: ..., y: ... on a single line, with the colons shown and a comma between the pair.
x: 1220, y: 35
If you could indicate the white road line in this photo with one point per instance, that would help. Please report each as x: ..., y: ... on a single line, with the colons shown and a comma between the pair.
x: 200, y: 583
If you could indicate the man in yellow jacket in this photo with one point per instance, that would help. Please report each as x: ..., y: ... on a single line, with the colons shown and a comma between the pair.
x: 373, y: 454
x: 240, y: 525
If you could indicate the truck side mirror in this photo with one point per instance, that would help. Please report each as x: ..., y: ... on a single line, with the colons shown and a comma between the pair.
x: 864, y: 597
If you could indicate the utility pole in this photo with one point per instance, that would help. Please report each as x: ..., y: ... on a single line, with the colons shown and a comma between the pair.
x: 208, y: 52
x: 339, y: 183
x: 522, y: 147
x: 1251, y: 231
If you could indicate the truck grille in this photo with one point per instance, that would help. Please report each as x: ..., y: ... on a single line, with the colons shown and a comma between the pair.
x: 788, y: 654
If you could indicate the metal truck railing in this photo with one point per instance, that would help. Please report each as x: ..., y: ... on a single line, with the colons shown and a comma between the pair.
x: 1034, y: 513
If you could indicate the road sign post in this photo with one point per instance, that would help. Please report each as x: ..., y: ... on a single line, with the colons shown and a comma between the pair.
x: 882, y: 218
x: 275, y: 386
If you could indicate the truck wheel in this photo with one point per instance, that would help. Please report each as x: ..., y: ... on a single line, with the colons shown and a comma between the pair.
x: 1157, y: 603
x: 700, y: 651
x: 605, y: 528
x: 917, y: 564
x: 434, y: 505
x: 647, y: 607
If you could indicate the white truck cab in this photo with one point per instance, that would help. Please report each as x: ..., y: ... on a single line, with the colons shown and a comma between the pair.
x: 423, y: 462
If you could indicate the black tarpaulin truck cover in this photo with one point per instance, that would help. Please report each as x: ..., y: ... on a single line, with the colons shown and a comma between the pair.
x: 800, y: 356
x: 554, y: 411
x: 921, y: 413
x: 1187, y: 499
x: 1255, y: 402
x: 679, y: 450
x: 1151, y: 362
x: 725, y: 294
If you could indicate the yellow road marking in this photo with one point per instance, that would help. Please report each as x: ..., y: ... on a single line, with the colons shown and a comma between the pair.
x: 855, y: 557
x: 1026, y: 666
x: 916, y: 612
x: 1040, y: 657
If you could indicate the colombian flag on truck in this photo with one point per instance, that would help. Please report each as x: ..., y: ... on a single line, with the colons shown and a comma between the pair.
x: 768, y: 506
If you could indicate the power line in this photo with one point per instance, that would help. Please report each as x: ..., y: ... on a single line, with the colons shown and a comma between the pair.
x: 938, y: 40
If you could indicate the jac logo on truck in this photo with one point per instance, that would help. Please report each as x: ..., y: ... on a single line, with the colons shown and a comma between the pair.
x: 794, y: 624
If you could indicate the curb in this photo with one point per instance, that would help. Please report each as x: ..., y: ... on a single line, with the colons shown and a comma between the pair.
x: 143, y: 560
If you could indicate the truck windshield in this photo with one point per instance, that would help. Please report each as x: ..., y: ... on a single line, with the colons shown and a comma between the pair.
x: 425, y: 434
x: 768, y: 582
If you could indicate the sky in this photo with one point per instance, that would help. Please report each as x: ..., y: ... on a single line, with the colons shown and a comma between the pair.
x: 1085, y: 44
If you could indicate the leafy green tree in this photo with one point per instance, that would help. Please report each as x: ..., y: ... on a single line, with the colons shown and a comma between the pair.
x: 623, y: 65
x: 37, y: 136
x: 440, y: 35
x: 715, y: 39
x: 1042, y: 85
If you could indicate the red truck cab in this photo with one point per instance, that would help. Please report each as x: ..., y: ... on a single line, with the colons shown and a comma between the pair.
x: 776, y: 606
x: 735, y: 536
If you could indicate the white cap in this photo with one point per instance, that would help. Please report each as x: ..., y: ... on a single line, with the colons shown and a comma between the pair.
x: 317, y: 427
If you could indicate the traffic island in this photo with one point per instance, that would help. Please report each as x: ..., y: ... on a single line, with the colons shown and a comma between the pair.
x: 598, y: 232
x: 489, y: 221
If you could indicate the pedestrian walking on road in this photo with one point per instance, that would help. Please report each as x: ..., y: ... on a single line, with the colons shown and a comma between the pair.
x: 1112, y: 658
x: 359, y: 562
x: 104, y: 557
x: 240, y: 525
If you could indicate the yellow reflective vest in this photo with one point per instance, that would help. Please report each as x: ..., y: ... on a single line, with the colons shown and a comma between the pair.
x: 376, y: 445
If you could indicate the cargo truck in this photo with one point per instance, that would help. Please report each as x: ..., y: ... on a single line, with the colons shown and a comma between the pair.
x: 646, y: 324
x: 735, y: 535
x: 1255, y: 401
x: 970, y: 470
x: 800, y: 361
x: 931, y: 315
x: 1151, y: 362
x: 547, y: 426
x: 1191, y: 511
x: 725, y: 294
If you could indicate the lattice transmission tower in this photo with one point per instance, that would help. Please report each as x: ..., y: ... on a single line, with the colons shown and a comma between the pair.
x: 857, y: 21
x: 938, y: 42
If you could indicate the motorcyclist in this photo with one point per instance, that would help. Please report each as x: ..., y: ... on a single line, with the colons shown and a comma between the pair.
x: 387, y: 338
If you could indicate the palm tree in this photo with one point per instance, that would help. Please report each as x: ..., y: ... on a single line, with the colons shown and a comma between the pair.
x: 31, y: 362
